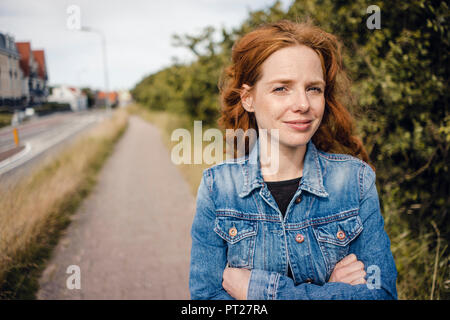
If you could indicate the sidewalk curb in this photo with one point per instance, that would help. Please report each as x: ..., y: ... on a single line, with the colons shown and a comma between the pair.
x: 16, y: 157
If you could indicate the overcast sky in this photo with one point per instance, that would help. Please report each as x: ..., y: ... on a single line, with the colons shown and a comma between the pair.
x: 138, y: 34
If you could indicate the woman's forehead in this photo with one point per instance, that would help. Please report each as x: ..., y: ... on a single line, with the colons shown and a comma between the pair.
x: 292, y: 63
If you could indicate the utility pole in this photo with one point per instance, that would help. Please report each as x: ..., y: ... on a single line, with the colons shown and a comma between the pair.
x: 105, y: 63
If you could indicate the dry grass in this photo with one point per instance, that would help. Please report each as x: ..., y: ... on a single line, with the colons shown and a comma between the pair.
x: 5, y: 119
x: 35, y: 211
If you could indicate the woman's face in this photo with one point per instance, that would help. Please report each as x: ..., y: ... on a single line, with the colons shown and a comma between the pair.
x: 289, y: 96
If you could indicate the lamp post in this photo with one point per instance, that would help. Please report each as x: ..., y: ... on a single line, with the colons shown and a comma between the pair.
x: 105, y: 64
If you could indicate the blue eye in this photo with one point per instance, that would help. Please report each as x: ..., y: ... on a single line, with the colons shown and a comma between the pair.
x: 317, y: 89
x: 279, y: 89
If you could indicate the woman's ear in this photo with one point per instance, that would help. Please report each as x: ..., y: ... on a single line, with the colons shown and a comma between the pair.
x: 247, y: 98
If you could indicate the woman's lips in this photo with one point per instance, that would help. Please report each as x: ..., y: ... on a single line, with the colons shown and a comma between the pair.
x: 302, y: 125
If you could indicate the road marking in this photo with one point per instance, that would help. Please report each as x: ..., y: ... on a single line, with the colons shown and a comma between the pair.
x: 38, y: 147
x: 14, y: 158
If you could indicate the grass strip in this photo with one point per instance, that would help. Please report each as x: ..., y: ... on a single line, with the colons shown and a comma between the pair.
x: 35, y: 211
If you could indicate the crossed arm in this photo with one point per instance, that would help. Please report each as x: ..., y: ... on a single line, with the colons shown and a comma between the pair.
x: 348, y: 270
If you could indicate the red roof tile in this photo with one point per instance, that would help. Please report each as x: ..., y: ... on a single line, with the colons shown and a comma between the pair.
x: 40, y: 59
x: 111, y: 95
x: 24, y: 49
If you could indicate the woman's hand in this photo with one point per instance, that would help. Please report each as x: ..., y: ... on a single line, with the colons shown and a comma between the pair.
x: 235, y: 282
x: 349, y: 270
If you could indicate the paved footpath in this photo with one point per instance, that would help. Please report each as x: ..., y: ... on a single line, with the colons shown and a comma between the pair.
x: 130, y: 237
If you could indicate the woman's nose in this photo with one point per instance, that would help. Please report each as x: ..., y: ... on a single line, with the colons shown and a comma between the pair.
x: 301, y: 102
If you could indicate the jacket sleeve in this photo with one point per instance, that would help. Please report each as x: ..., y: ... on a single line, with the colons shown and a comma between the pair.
x: 372, y: 247
x: 208, y: 251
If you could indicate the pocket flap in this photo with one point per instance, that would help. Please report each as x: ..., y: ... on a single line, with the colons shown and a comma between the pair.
x: 234, y: 230
x: 340, y: 232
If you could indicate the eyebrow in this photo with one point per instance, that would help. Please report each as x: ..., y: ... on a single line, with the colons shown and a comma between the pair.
x: 287, y: 81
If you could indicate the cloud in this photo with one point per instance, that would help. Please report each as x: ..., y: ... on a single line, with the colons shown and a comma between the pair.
x: 138, y: 33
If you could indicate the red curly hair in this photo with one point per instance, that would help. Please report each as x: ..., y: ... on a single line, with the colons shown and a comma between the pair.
x: 336, y: 131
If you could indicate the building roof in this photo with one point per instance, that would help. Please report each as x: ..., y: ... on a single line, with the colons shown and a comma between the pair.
x: 112, y: 96
x: 7, y: 45
x: 39, y: 56
x: 24, y: 49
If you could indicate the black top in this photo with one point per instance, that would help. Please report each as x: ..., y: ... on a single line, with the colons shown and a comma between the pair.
x: 283, y: 191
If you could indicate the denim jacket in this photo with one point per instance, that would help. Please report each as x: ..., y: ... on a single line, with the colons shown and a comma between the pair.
x: 334, y: 212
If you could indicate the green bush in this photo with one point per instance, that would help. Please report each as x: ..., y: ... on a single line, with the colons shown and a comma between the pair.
x: 50, y: 107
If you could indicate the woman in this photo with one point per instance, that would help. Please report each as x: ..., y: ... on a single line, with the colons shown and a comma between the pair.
x: 311, y: 229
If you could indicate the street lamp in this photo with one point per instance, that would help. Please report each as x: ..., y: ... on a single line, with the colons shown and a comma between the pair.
x: 105, y: 64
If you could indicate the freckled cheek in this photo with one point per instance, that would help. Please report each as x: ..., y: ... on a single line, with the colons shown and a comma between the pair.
x: 270, y: 112
x: 268, y: 120
x: 318, y: 107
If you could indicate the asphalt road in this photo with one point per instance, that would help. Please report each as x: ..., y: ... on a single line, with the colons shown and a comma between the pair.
x: 130, y: 237
x: 41, y: 137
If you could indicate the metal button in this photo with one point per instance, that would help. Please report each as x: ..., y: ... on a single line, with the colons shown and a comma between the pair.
x: 232, y: 232
x: 340, y: 235
x: 309, y: 280
x: 299, y: 238
x: 298, y: 199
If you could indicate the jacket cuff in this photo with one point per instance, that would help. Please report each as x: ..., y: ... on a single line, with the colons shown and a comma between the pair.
x: 262, y: 285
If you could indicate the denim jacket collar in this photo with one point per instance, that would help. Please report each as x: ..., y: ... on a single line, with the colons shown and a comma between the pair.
x: 312, y: 180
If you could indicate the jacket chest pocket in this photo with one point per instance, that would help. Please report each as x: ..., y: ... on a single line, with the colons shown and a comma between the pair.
x: 240, y: 237
x: 334, y: 239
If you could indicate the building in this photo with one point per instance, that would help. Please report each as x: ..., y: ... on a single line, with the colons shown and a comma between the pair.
x: 124, y: 98
x: 73, y: 96
x: 112, y: 96
x: 10, y: 74
x: 34, y: 71
x: 41, y: 89
x: 28, y: 67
